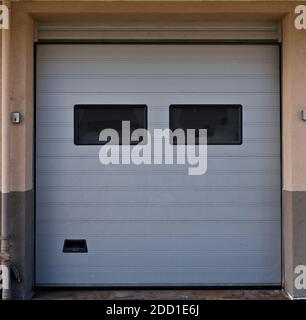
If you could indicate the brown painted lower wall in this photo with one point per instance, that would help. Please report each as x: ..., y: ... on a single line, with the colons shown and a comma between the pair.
x: 21, y: 227
x: 294, y: 238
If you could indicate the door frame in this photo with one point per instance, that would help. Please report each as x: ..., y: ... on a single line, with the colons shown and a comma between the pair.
x: 163, y: 42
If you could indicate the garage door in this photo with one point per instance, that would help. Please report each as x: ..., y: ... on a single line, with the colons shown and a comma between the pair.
x: 138, y: 225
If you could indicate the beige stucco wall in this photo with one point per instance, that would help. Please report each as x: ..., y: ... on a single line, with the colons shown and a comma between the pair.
x: 0, y: 114
x: 21, y: 89
x: 294, y: 100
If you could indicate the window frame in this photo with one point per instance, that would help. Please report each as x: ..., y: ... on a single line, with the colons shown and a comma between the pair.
x: 240, y: 121
x: 76, y: 139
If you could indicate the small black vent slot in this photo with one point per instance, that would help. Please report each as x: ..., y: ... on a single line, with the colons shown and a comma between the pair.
x: 75, y: 246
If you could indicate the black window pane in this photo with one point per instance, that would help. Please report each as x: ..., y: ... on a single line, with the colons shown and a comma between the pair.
x: 90, y: 120
x: 222, y: 122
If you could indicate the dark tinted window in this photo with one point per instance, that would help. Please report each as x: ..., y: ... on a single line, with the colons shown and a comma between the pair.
x: 223, y: 122
x: 90, y: 120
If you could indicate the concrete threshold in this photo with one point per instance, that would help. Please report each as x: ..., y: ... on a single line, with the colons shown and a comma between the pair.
x: 160, y: 295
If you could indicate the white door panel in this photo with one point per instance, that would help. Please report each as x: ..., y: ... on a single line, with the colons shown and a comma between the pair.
x: 155, y: 225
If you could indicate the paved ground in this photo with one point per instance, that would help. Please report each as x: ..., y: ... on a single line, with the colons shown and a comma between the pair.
x: 160, y: 294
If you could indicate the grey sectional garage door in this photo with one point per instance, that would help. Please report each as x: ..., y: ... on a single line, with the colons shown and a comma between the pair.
x: 154, y: 224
